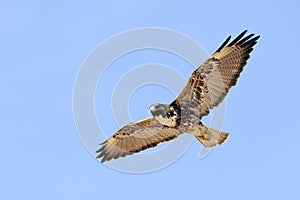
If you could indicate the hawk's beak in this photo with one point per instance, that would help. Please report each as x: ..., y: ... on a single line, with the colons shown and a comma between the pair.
x: 155, y: 109
x: 152, y: 109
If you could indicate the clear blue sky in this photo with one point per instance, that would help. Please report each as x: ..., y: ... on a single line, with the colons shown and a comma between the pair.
x: 42, y: 47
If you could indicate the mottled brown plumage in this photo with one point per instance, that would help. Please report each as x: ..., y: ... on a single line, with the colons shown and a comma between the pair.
x: 136, y: 137
x: 206, y: 89
x: 209, y: 83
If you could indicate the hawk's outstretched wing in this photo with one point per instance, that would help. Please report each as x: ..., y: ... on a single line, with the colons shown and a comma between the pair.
x: 209, y: 84
x: 134, y: 138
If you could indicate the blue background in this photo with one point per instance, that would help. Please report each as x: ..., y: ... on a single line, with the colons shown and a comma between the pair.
x: 42, y: 47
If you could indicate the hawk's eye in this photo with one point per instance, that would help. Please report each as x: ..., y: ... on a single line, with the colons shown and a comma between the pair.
x: 168, y: 114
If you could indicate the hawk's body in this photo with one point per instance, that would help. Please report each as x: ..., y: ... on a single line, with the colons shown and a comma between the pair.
x: 206, y: 89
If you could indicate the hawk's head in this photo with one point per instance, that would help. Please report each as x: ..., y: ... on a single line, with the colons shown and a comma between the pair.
x: 168, y: 115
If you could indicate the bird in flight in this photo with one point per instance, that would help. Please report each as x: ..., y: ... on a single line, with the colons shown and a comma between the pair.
x: 206, y: 88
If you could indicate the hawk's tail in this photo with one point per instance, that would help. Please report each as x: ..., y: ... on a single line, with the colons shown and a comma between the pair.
x: 210, y: 137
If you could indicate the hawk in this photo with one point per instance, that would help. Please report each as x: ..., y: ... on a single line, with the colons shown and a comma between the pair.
x: 206, y: 88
